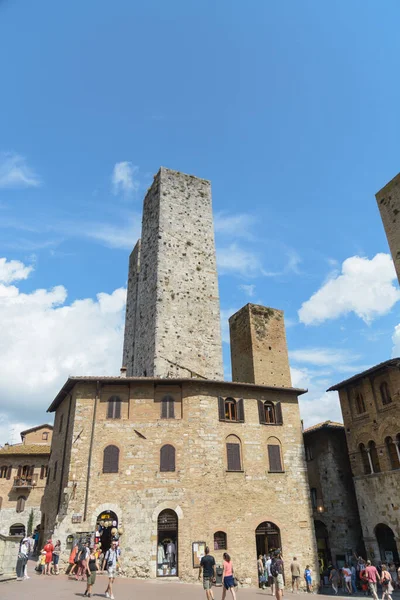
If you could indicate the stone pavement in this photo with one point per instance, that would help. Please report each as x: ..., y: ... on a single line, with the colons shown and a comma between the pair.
x: 61, y: 588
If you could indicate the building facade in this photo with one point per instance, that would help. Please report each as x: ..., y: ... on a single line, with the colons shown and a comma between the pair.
x: 23, y: 473
x: 333, y: 499
x: 388, y: 199
x: 370, y: 403
x: 168, y: 457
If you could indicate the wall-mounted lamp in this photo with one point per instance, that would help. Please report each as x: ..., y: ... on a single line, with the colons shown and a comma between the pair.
x: 320, y: 509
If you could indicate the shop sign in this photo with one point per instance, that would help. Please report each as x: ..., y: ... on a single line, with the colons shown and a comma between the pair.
x: 77, y: 518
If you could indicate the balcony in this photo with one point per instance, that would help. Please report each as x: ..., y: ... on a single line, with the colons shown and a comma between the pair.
x: 25, y: 482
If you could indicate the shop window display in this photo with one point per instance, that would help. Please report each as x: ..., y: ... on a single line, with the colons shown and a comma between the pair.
x: 107, y: 530
x: 167, y: 546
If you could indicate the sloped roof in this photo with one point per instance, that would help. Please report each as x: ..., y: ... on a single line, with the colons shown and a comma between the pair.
x: 21, y: 449
x: 32, y: 429
x: 324, y: 425
x: 393, y: 362
x: 71, y: 381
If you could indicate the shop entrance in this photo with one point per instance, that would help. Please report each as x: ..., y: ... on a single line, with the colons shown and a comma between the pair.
x: 387, y: 543
x: 268, y: 538
x: 167, y: 544
x: 106, y: 529
x: 323, y: 547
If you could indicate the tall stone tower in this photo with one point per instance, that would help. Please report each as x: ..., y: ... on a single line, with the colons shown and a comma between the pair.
x: 172, y: 324
x: 388, y: 199
x: 258, y: 346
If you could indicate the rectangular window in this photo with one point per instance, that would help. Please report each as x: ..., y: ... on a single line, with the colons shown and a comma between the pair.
x: 43, y: 472
x: 233, y: 456
x: 314, y: 497
x: 274, y: 456
x: 61, y: 424
x: 55, y: 470
x: 45, y: 435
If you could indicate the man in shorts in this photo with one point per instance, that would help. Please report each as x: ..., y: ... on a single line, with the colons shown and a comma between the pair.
x: 295, y: 570
x: 277, y: 573
x: 269, y: 575
x: 207, y: 566
x: 111, y: 560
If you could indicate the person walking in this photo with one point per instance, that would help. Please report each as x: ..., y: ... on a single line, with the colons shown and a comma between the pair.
x: 22, y: 559
x: 92, y: 566
x: 56, y: 557
x: 295, y: 571
x: 308, y: 578
x: 48, y: 548
x: 227, y: 577
x: 208, y: 569
x: 347, y: 578
x: 36, y: 541
x: 111, y: 561
x: 393, y: 573
x: 372, y: 576
x: 353, y: 579
x: 386, y: 583
x: 260, y: 568
x: 82, y: 558
x: 334, y: 578
x: 269, y: 575
x: 277, y: 568
x: 72, y: 561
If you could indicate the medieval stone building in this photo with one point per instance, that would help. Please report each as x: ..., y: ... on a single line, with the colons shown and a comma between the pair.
x: 168, y: 456
x: 370, y: 403
x: 388, y: 199
x: 23, y: 473
x: 333, y: 499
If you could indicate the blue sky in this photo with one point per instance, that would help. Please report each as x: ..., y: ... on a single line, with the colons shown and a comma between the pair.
x: 289, y: 108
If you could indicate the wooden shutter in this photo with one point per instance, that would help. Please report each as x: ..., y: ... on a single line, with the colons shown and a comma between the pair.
x: 42, y: 472
x: 19, y: 472
x: 233, y: 455
x: 171, y: 408
x: 278, y: 413
x: 261, y: 412
x: 31, y: 470
x: 164, y: 408
x: 221, y: 409
x: 167, y: 458
x: 240, y: 410
x: 117, y: 408
x: 110, y: 409
x: 9, y: 471
x: 274, y: 456
x: 111, y: 459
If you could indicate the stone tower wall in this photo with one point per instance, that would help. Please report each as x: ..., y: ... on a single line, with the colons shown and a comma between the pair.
x: 131, y: 309
x: 258, y: 346
x: 388, y: 199
x: 178, y: 332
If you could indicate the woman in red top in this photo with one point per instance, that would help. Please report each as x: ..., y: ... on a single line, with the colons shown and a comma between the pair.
x: 49, y: 556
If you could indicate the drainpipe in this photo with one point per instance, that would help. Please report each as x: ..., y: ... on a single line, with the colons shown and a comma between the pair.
x: 90, y: 450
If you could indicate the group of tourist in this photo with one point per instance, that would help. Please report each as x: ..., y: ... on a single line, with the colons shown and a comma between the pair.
x: 365, y: 576
x: 268, y: 575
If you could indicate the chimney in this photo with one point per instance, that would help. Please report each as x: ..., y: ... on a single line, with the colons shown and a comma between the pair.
x: 122, y: 372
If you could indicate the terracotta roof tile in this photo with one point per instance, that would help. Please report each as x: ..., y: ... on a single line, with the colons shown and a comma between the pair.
x: 21, y: 449
x: 324, y: 425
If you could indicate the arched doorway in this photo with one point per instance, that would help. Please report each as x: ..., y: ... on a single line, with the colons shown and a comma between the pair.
x: 17, y: 529
x: 106, y: 529
x: 387, y: 543
x: 167, y: 543
x: 268, y: 538
x: 323, y: 546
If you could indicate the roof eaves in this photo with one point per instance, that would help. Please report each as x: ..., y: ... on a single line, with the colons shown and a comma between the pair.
x: 393, y: 362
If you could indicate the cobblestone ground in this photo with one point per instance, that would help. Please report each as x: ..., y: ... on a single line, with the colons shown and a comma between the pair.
x: 61, y: 588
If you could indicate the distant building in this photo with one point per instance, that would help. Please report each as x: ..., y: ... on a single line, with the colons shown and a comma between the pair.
x: 169, y: 457
x: 23, y: 473
x: 370, y: 404
x: 333, y: 499
x: 388, y: 199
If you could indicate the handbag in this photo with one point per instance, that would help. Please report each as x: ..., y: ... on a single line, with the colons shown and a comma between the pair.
x: 235, y: 582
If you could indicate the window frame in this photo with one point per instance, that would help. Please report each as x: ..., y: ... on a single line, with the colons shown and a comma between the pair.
x: 385, y: 393
x: 233, y: 444
x: 167, y: 407
x: 45, y: 436
x: 272, y: 444
x: 111, y: 468
x: 224, y: 414
x: 276, y: 411
x: 222, y: 536
x: 21, y: 500
x: 360, y: 403
x: 114, y: 407
x: 167, y: 459
x: 314, y: 498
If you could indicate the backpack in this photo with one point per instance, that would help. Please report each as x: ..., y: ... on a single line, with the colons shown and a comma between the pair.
x: 274, y: 568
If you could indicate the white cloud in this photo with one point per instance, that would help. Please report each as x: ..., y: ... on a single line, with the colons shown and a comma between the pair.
x: 115, y: 236
x: 317, y: 405
x: 249, y: 290
x: 15, y: 173
x: 396, y: 341
x: 13, y: 270
x: 234, y: 225
x: 364, y: 287
x: 236, y: 260
x: 124, y: 178
x: 44, y: 339
x: 323, y: 356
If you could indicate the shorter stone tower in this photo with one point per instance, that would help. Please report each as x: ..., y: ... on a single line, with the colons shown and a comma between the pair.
x: 388, y: 199
x: 258, y: 346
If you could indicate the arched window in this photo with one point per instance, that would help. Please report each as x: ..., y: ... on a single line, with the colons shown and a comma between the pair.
x: 274, y: 455
x: 385, y: 393
x: 393, y: 452
x: 314, y: 497
x: 17, y: 529
x: 231, y: 410
x: 167, y: 458
x: 111, y: 459
x: 270, y: 413
x: 360, y: 404
x: 168, y: 407
x: 373, y: 453
x: 233, y: 453
x: 20, y: 504
x: 365, y: 459
x: 114, y: 408
x: 220, y: 542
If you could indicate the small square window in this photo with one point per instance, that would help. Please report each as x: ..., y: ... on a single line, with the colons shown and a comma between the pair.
x: 45, y: 435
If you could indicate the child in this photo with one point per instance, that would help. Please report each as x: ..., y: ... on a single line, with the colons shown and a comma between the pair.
x: 42, y: 564
x: 308, y: 578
